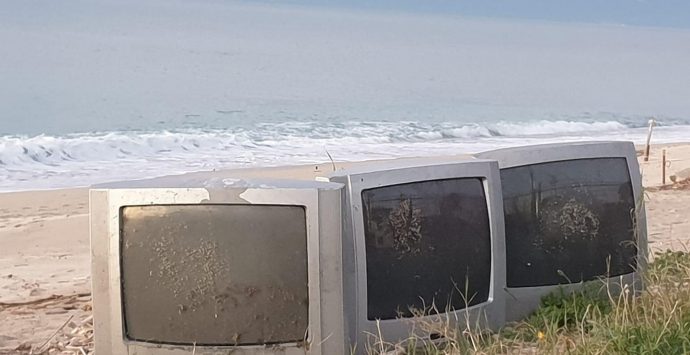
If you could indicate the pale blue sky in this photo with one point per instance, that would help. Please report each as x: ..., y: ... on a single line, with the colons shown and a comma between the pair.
x: 656, y: 13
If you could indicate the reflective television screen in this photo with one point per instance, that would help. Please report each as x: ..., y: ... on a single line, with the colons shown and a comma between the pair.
x: 214, y: 274
x: 568, y: 221
x: 428, y: 244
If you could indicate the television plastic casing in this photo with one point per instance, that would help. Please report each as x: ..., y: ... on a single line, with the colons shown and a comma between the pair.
x: 359, y: 329
x: 521, y: 301
x: 321, y: 202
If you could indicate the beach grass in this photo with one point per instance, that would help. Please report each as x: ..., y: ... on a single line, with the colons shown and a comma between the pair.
x: 594, y: 320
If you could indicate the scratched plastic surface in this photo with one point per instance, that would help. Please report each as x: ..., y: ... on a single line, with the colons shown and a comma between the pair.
x: 428, y: 244
x: 568, y: 221
x: 214, y: 274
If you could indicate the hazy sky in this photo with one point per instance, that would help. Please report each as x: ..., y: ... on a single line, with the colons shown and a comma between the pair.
x: 657, y: 13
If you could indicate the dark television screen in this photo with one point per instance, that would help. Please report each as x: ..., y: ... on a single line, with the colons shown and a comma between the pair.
x: 428, y: 244
x: 214, y: 274
x: 568, y: 221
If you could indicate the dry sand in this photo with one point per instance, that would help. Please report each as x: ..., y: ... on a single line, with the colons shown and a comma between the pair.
x: 44, y: 252
x: 668, y: 210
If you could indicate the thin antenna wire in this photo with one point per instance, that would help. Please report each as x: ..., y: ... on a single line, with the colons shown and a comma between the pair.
x: 331, y: 158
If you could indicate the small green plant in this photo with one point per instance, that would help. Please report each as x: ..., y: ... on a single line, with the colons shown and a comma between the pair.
x: 674, y: 338
x: 672, y: 265
x: 564, y: 311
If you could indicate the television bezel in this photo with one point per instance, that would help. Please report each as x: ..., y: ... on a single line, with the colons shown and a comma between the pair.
x: 521, y: 301
x: 321, y: 202
x: 486, y: 314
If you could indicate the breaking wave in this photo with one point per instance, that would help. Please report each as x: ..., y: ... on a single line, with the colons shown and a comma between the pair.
x: 45, y: 161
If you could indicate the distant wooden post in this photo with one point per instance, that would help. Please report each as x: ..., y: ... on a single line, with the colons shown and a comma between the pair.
x: 652, y: 122
x: 663, y: 167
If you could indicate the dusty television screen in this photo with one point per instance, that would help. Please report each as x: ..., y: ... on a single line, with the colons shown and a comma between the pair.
x: 214, y: 274
x: 568, y: 221
x: 427, y: 243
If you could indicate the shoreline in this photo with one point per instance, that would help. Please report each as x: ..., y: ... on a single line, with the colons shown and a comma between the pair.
x: 638, y: 147
x: 45, y: 254
x: 46, y: 169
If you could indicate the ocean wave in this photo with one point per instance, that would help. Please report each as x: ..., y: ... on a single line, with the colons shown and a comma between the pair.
x: 48, y: 150
x: 83, y: 159
x: 555, y: 127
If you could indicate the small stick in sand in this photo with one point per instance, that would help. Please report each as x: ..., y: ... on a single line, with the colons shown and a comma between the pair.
x: 652, y: 123
x: 663, y: 167
x: 42, y: 300
x: 331, y: 158
x: 40, y: 348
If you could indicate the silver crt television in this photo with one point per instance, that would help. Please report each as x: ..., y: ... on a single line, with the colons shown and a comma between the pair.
x: 573, y: 213
x: 422, y: 242
x: 217, y: 266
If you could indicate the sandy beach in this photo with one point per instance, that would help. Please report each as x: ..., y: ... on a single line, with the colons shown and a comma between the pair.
x: 44, y: 251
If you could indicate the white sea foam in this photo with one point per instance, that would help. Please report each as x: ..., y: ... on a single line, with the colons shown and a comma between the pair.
x: 45, y: 161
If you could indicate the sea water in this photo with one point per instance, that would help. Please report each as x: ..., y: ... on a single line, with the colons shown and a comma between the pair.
x: 102, y: 90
